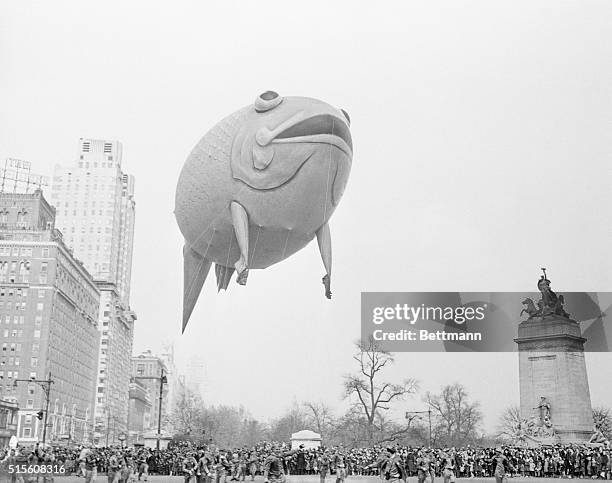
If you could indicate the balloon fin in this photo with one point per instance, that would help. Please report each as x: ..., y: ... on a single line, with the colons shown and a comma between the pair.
x: 224, y: 275
x: 196, y: 269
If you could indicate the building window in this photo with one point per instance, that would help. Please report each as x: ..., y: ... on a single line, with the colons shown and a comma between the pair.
x: 30, y: 404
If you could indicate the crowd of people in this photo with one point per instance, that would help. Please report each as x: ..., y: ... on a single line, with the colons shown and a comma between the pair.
x: 274, y: 461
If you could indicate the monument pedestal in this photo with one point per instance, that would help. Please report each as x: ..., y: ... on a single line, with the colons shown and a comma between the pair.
x: 552, y: 366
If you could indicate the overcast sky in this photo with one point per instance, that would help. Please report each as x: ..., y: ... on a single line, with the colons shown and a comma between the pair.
x: 482, y: 134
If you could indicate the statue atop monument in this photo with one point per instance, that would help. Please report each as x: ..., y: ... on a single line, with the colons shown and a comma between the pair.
x: 549, y: 304
x: 543, y: 409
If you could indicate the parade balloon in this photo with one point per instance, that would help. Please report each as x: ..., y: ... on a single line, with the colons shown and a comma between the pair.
x: 258, y: 187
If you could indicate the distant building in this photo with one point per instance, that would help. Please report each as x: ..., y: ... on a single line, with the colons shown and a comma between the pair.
x: 176, y: 384
x: 96, y: 212
x: 8, y: 421
x: 48, y: 322
x: 195, y: 375
x: 147, y: 369
x: 140, y: 412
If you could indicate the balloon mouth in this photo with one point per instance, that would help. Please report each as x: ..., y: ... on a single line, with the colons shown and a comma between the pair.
x: 319, y: 129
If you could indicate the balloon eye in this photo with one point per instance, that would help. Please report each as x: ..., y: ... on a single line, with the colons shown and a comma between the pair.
x: 266, y: 101
x: 269, y: 95
x: 346, y: 114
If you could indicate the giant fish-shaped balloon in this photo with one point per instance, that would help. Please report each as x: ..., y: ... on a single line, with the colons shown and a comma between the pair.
x: 259, y: 186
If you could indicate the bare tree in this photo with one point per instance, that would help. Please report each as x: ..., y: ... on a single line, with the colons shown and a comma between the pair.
x: 373, y: 395
x: 293, y: 420
x: 320, y: 416
x: 391, y: 431
x: 457, y: 419
x: 510, y: 424
x: 186, y: 416
x: 603, y: 420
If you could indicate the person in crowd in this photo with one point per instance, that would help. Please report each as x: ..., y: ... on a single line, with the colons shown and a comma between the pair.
x: 253, y: 461
x: 449, y: 464
x: 274, y: 469
x: 503, y: 467
x: 189, y: 468
x: 339, y: 465
x: 425, y: 466
x: 393, y: 467
x: 323, y: 463
x: 143, y: 465
x: 113, y: 472
x: 90, y: 465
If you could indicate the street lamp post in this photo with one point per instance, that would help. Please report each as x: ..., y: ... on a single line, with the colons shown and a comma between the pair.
x: 108, y: 426
x: 46, y: 386
x: 162, y: 380
x: 418, y: 413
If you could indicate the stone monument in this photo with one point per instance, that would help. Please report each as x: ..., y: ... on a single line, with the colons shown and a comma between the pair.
x: 554, y: 389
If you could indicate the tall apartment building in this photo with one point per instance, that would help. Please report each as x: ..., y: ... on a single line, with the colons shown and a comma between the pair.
x: 48, y: 323
x: 96, y: 212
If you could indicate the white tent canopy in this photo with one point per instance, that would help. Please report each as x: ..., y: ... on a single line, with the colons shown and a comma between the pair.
x: 308, y: 438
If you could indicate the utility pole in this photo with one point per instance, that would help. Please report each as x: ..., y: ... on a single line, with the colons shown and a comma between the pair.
x: 418, y: 413
x: 46, y: 386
